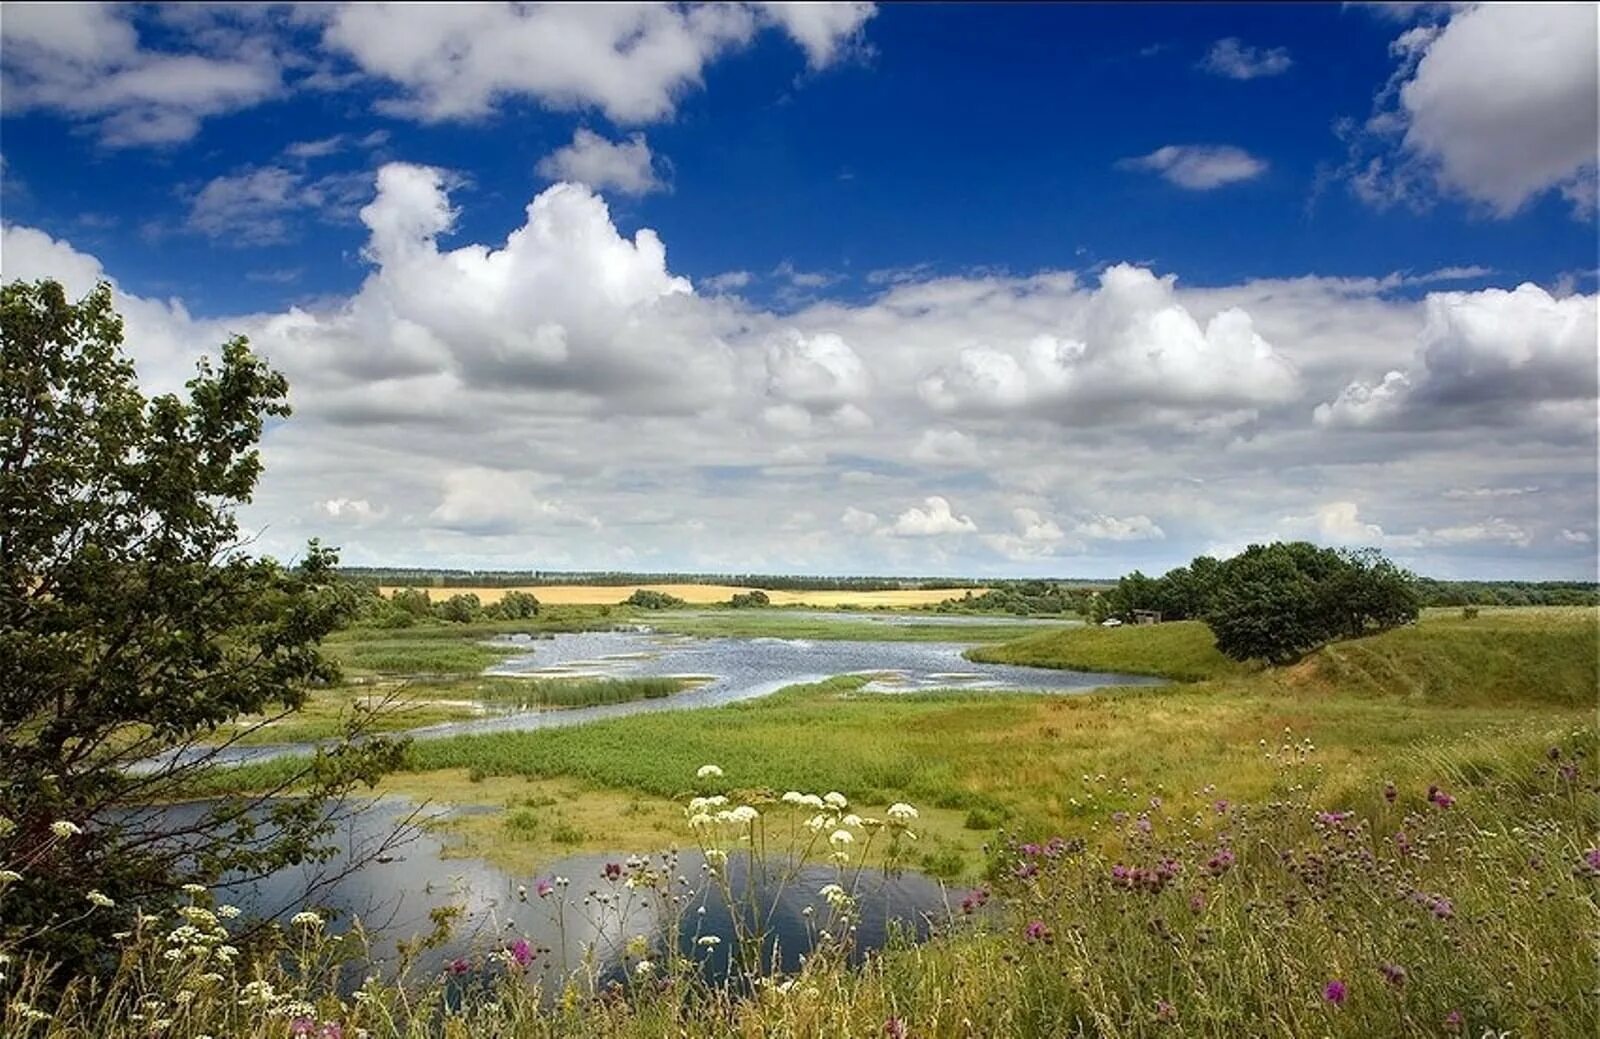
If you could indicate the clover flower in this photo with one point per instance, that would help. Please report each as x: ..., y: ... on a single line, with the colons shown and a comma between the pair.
x: 65, y: 828
x: 708, y: 772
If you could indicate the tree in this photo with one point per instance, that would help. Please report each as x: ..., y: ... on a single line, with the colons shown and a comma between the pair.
x: 754, y: 597
x: 461, y: 608
x: 133, y: 626
x: 517, y: 606
x: 413, y: 601
x: 649, y: 599
x: 1276, y: 602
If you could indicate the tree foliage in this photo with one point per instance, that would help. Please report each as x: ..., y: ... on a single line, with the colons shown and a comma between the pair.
x: 133, y: 624
x: 648, y: 599
x: 754, y: 597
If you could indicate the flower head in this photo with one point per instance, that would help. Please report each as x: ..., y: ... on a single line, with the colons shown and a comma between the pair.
x: 97, y: 899
x: 1334, y: 992
x: 708, y: 772
x: 1036, y: 931
x: 901, y: 813
x: 1393, y: 973
x: 306, y: 919
x: 65, y: 828
x: 521, y: 952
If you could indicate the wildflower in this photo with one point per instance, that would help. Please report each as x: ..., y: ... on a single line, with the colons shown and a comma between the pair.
x: 612, y: 871
x: 1390, y: 794
x: 1197, y: 904
x: 835, y: 799
x: 1166, y: 1013
x: 793, y: 797
x: 1221, y: 807
x: 710, y: 941
x: 331, y: 1030
x: 194, y: 889
x: 717, y: 858
x: 895, y: 1028
x: 228, y: 912
x: 301, y: 1027
x: 1393, y: 973
x: 839, y: 838
x: 1030, y: 850
x: 975, y: 900
x: 1439, y: 799
x: 306, y: 919
x: 65, y: 828
x: 708, y: 772
x: 744, y: 815
x: 521, y: 952
x: 700, y: 821
x: 1591, y: 859
x: 1334, y: 992
x: 459, y: 966
x: 522, y: 892
x: 1221, y: 862
x: 1453, y: 1022
x: 901, y: 813
x: 1036, y: 931
x: 1143, y: 823
x: 9, y: 876
x: 644, y: 968
x: 97, y: 899
x: 855, y: 822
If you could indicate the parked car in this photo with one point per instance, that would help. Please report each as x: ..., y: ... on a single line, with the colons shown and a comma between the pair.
x: 1111, y: 622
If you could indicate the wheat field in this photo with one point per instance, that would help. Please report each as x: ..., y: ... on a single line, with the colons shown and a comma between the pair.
x: 701, y: 594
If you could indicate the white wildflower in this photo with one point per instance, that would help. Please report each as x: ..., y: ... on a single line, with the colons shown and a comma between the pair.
x: 97, y: 899
x: 9, y: 876
x: 836, y: 799
x: 644, y: 968
x: 794, y: 797
x: 839, y: 838
x: 227, y: 912
x: 194, y: 889
x: 744, y: 815
x: 306, y: 919
x: 710, y: 940
x: 901, y: 813
x: 708, y: 772
x: 65, y: 828
x: 853, y: 821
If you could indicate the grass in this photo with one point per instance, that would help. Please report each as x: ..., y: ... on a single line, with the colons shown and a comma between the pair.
x: 705, y: 595
x: 1183, y: 650
x: 1482, y: 913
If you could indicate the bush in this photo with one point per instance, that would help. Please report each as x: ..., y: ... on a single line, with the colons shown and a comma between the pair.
x: 646, y: 599
x: 517, y: 606
x: 744, y: 600
x: 460, y: 609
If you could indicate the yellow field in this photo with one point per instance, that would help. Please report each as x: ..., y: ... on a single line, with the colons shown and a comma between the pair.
x: 700, y: 594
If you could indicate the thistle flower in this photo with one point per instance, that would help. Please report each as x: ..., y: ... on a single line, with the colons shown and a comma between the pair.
x: 459, y: 966
x: 1334, y: 992
x: 1037, y: 931
x: 895, y: 1028
x: 543, y: 888
x: 520, y: 952
x: 708, y: 772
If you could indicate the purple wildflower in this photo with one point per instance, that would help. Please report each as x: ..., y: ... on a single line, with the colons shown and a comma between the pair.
x: 1439, y: 798
x: 521, y: 952
x: 1197, y: 903
x: 1591, y: 858
x: 1453, y: 1021
x: 543, y: 888
x: 1221, y: 862
x: 1166, y: 1013
x: 1026, y: 870
x: 1334, y: 992
x: 331, y: 1030
x: 1030, y: 850
x: 1393, y: 973
x: 301, y: 1026
x: 895, y: 1028
x: 1036, y: 931
x: 1143, y: 823
x: 1221, y: 807
x: 613, y: 871
x: 459, y: 965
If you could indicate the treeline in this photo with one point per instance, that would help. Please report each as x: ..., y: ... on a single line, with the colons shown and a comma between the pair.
x: 426, y: 578
x: 408, y: 606
x: 1274, y: 602
x: 1508, y: 593
x: 1024, y: 599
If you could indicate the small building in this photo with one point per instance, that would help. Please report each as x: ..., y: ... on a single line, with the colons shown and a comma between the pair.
x: 1147, y: 616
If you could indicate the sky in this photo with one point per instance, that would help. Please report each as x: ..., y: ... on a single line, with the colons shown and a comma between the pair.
x: 986, y: 291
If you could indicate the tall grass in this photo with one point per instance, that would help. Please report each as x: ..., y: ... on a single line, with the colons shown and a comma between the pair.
x: 1183, y: 650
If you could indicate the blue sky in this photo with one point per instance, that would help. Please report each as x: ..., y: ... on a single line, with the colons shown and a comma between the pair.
x: 948, y: 288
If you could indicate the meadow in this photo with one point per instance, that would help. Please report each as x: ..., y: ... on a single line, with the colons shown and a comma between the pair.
x: 1394, y: 836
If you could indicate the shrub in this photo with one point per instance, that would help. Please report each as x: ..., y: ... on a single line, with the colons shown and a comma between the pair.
x: 647, y: 599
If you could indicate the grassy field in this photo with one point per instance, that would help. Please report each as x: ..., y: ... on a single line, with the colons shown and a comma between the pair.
x: 1183, y: 650
x: 1394, y: 837
x: 703, y: 595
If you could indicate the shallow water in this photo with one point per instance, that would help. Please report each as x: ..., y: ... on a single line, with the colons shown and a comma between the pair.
x: 393, y: 900
x: 732, y: 669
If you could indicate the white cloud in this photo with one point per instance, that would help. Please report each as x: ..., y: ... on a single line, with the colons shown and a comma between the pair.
x: 460, y: 61
x: 859, y: 521
x: 1340, y: 523
x: 823, y: 30
x: 1498, y: 105
x: 478, y: 500
x: 1576, y: 537
x: 600, y: 163
x: 818, y: 371
x: 1230, y: 57
x: 1034, y: 537
x: 1199, y: 167
x: 86, y: 61
x: 258, y: 206
x: 727, y: 281
x: 1112, y: 528
x: 934, y: 520
x: 945, y: 447
x: 1133, y: 344
x: 350, y: 510
x: 1480, y: 354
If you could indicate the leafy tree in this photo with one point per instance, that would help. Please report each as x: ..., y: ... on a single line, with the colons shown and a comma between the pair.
x: 461, y: 608
x: 133, y: 626
x: 647, y: 599
x: 413, y: 601
x: 516, y: 605
x: 755, y: 597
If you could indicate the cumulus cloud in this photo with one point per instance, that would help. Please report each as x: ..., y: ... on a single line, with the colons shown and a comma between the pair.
x: 1480, y: 354
x: 1199, y: 167
x: 632, y: 62
x: 1341, y: 523
x: 1132, y: 345
x: 478, y: 500
x: 1113, y: 528
x: 1231, y: 57
x: 350, y: 510
x: 1497, y: 105
x: 87, y: 62
x: 934, y: 519
x: 824, y: 31
x: 1033, y: 536
x: 945, y: 447
x: 818, y: 372
x: 626, y: 166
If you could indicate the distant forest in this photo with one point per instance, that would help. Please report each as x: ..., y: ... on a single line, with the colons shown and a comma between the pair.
x: 1055, y: 594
